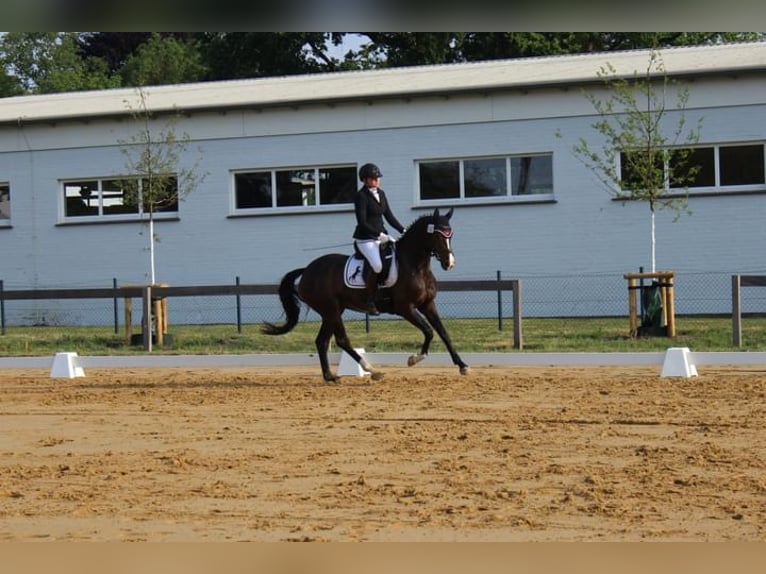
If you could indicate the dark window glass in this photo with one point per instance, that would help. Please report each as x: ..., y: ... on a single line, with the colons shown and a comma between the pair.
x: 485, y: 177
x: 119, y: 196
x: 635, y: 173
x: 439, y: 180
x: 81, y: 198
x: 532, y: 175
x: 741, y: 165
x: 164, y: 199
x: 337, y: 185
x: 5, y: 201
x: 692, y: 168
x: 295, y: 187
x: 252, y: 189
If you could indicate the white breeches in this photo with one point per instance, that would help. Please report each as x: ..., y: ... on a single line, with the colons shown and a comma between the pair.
x: 370, y: 248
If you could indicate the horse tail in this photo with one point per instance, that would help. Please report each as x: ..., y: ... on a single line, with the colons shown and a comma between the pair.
x: 290, y: 303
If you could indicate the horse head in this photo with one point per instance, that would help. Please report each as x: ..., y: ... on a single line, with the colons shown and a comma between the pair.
x: 441, y: 231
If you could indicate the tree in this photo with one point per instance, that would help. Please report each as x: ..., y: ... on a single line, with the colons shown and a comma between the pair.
x: 163, y: 60
x: 9, y: 86
x: 393, y: 49
x: 647, y: 154
x: 112, y: 47
x: 50, y: 62
x: 497, y: 45
x: 156, y: 176
x: 396, y: 49
x: 234, y: 55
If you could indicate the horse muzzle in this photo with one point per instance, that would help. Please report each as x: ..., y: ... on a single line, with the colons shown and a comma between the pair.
x: 448, y: 262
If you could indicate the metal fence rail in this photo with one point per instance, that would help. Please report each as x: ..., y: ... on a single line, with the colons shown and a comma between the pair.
x: 204, y: 298
x: 698, y: 296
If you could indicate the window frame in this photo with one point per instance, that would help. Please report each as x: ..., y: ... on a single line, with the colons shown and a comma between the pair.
x: 274, y: 175
x: 5, y: 191
x: 717, y: 188
x: 463, y: 198
x: 104, y: 186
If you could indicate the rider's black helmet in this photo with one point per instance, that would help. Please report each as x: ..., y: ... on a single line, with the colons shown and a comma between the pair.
x: 369, y: 170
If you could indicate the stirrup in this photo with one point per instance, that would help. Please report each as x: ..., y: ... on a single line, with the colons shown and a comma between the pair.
x: 370, y: 308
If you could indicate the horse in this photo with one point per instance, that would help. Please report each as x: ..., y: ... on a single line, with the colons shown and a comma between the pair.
x: 323, y: 288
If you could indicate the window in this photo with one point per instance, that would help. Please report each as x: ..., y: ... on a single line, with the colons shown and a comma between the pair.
x: 309, y: 187
x: 108, y: 199
x: 741, y: 165
x: 713, y: 168
x: 486, y: 178
x: 5, y: 204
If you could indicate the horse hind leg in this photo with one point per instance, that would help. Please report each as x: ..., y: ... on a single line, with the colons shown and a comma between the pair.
x: 342, y: 340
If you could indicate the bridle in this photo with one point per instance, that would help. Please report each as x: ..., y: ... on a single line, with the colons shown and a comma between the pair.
x: 446, y: 233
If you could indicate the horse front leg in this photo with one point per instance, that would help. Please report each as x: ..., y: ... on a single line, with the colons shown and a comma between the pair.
x: 416, y: 319
x: 430, y: 312
x: 342, y: 340
x: 322, y: 343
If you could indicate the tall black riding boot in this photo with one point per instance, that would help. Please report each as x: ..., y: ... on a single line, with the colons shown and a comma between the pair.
x: 371, y: 289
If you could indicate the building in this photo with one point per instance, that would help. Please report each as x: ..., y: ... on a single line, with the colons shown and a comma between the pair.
x: 280, y: 155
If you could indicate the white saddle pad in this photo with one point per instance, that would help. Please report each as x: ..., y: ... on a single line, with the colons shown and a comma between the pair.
x: 352, y: 273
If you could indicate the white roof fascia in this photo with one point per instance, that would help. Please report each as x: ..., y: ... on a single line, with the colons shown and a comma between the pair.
x: 520, y: 73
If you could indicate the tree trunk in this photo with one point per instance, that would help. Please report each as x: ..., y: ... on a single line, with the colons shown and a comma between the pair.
x: 653, y: 244
x: 152, y: 278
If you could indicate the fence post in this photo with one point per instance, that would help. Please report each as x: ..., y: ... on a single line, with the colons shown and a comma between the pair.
x: 2, y: 309
x: 239, y: 307
x: 146, y: 321
x: 736, y: 310
x: 114, y: 303
x: 518, y: 342
x: 499, y: 304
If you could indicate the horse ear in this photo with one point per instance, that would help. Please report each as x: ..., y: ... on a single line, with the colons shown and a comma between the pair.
x: 436, y: 213
x: 449, y: 213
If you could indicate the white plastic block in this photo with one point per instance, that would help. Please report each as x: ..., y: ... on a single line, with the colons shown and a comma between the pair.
x: 678, y: 363
x: 66, y: 366
x: 349, y: 366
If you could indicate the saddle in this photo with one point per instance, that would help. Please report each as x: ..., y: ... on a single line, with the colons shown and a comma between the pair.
x: 357, y: 268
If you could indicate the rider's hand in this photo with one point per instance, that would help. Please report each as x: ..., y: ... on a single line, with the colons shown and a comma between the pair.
x: 385, y: 238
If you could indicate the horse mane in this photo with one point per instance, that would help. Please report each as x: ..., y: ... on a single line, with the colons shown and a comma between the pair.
x: 425, y: 218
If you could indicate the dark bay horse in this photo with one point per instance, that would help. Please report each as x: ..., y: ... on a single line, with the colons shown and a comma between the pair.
x: 322, y: 287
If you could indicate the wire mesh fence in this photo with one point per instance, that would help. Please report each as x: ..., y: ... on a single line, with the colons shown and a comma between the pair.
x: 697, y: 297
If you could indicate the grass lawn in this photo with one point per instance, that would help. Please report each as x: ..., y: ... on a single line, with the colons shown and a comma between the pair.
x: 394, y: 335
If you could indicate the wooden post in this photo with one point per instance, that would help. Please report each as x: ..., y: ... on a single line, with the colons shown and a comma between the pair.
x: 518, y: 341
x: 632, y: 306
x: 128, y: 319
x: 667, y: 295
x: 160, y: 307
x: 158, y: 312
x: 736, y: 310
x: 159, y: 323
x: 146, y: 321
x: 671, y: 305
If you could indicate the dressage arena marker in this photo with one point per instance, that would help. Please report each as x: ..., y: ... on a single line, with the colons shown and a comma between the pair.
x: 677, y: 363
x: 691, y: 360
x: 349, y: 366
x: 66, y: 366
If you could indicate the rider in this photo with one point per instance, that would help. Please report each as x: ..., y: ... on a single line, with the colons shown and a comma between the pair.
x: 371, y: 206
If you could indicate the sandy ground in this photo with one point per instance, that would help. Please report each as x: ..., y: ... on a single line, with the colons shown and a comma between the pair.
x: 503, y: 454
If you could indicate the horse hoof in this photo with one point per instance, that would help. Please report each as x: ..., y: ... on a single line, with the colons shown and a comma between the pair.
x: 464, y: 370
x: 414, y: 360
x: 376, y: 375
x: 330, y: 379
